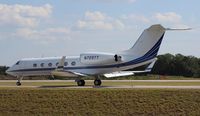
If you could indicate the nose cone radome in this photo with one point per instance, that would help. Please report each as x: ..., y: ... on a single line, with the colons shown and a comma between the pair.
x: 9, y: 71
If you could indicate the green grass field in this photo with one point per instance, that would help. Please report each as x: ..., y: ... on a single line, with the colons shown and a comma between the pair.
x: 26, y: 101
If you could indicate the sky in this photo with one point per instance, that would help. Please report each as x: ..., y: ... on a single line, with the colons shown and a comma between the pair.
x: 44, y: 28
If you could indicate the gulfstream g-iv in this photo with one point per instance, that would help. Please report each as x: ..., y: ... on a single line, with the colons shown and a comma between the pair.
x: 96, y: 64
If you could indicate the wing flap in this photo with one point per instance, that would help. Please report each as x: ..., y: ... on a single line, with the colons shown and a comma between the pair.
x: 128, y: 73
x: 119, y: 74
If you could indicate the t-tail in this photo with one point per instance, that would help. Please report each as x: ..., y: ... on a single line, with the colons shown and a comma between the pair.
x: 148, y: 44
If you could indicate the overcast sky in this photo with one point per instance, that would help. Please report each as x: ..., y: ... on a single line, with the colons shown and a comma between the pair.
x: 41, y: 28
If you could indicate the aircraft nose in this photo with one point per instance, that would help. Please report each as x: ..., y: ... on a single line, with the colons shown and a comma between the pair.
x: 8, y: 71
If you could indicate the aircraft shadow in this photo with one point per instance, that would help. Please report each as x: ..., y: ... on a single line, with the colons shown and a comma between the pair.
x: 71, y: 86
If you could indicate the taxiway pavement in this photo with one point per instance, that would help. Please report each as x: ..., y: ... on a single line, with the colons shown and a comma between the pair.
x: 114, y: 86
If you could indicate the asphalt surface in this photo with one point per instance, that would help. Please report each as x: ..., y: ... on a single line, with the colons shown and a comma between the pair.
x: 103, y: 80
x: 114, y: 86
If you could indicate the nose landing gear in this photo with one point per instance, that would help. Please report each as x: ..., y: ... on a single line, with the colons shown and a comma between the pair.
x: 18, y: 83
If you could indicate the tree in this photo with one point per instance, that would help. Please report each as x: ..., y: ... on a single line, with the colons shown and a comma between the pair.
x: 178, y: 65
x: 3, y: 70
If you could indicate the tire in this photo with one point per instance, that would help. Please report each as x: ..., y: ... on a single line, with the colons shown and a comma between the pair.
x: 97, y: 82
x: 81, y: 82
x: 18, y: 84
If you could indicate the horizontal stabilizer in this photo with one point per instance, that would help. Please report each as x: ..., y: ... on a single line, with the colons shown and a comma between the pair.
x: 177, y: 29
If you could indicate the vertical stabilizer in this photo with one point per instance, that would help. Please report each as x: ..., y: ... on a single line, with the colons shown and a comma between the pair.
x: 148, y: 43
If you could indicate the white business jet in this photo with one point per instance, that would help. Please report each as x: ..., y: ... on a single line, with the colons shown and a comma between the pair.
x: 95, y: 64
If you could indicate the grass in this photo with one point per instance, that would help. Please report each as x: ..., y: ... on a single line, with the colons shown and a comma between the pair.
x: 106, y: 83
x: 24, y: 101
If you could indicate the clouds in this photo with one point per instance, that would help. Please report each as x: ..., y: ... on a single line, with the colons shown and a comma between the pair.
x: 27, y: 22
x: 136, y: 18
x: 23, y: 15
x: 43, y: 36
x: 99, y: 21
x: 30, y: 22
x: 166, y: 18
x: 171, y: 19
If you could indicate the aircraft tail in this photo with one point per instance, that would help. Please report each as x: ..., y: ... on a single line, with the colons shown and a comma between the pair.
x: 148, y: 44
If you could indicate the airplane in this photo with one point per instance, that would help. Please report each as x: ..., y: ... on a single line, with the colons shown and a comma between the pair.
x: 96, y: 64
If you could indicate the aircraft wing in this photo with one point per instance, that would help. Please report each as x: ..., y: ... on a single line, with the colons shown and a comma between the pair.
x: 59, y: 71
x: 64, y: 73
x: 128, y: 73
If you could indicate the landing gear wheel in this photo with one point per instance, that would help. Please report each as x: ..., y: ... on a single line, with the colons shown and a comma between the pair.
x: 97, y: 82
x: 81, y: 82
x: 18, y: 84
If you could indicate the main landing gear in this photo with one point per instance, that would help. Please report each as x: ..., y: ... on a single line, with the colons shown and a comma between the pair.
x: 18, y: 83
x: 81, y: 82
x: 97, y: 82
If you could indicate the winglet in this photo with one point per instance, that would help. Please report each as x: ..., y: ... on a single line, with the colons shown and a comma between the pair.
x: 61, y: 63
x: 148, y: 69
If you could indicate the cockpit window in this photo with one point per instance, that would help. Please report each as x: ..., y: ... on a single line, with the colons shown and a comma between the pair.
x: 17, y: 63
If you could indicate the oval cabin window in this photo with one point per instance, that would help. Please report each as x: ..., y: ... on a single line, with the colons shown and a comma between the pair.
x: 73, y: 63
x: 42, y: 64
x: 66, y: 63
x: 34, y: 65
x: 50, y: 64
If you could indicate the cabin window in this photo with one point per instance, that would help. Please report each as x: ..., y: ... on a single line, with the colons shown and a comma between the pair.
x: 42, y: 64
x: 17, y: 63
x: 66, y: 63
x: 57, y: 64
x: 34, y: 65
x: 73, y: 63
x: 50, y: 64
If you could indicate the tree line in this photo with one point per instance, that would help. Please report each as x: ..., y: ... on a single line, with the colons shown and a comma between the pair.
x: 167, y: 64
x: 177, y: 65
x: 3, y: 70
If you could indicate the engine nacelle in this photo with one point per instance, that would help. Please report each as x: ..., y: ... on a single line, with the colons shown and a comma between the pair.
x: 99, y: 58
